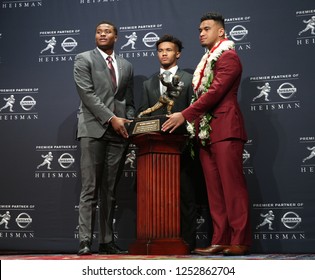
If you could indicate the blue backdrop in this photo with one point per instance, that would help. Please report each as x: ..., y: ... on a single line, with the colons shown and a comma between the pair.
x: 39, y: 156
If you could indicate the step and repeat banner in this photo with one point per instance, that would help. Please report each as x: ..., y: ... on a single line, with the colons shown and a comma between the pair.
x: 39, y: 155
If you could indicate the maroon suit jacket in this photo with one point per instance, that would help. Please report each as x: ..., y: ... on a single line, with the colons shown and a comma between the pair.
x: 221, y: 100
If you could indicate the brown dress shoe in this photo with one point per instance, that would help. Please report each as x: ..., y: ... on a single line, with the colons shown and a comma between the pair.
x: 211, y: 250
x: 236, y: 250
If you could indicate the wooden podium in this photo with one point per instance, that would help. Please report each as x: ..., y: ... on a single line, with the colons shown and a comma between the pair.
x: 158, y: 195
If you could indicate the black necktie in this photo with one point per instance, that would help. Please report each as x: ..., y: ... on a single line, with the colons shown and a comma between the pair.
x: 112, y: 71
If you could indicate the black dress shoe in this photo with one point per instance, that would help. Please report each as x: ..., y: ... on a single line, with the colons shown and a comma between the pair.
x: 110, y: 249
x: 85, y: 248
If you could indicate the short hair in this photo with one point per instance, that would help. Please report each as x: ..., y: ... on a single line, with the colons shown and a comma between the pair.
x: 213, y: 16
x: 109, y: 23
x: 170, y: 38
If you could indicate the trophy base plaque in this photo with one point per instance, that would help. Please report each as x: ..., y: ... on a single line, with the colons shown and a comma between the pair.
x: 151, y: 124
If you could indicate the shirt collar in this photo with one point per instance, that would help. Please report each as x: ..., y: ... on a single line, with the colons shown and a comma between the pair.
x: 105, y: 55
x: 173, y: 70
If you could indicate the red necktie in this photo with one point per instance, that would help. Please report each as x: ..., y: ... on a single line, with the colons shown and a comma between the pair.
x: 112, y: 71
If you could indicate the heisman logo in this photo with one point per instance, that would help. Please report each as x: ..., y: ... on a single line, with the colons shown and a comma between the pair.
x: 246, y: 156
x: 285, y: 91
x: 68, y: 45
x: 148, y: 40
x: 310, y: 25
x: 23, y: 220
x: 200, y: 222
x: 47, y: 160
x: 132, y: 38
x: 27, y: 103
x: 5, y: 218
x: 50, y: 45
x: 268, y: 220
x: 130, y: 158
x: 66, y: 160
x: 311, y: 155
x: 9, y: 103
x: 264, y: 92
x: 290, y: 220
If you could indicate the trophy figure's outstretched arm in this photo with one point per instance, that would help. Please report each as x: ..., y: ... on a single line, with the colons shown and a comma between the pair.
x: 173, y: 90
x: 164, y: 100
x: 155, y: 107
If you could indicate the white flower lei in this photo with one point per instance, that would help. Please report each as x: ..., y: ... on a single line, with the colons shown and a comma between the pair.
x: 202, y: 79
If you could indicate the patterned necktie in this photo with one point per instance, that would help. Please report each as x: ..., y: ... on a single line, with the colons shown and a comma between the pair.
x: 112, y: 71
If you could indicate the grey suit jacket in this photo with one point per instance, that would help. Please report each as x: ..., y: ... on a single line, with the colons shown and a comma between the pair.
x: 151, y: 93
x: 99, y: 102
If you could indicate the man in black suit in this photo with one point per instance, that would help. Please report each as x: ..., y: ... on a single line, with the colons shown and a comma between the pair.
x: 169, y: 50
x: 104, y: 83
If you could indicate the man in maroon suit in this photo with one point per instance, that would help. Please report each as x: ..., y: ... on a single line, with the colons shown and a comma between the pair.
x: 216, y: 122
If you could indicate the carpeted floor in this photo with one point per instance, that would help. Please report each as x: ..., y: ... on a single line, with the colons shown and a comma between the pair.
x: 155, y: 257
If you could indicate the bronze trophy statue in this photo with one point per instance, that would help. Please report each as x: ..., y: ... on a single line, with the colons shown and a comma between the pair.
x: 143, y: 124
x: 173, y: 90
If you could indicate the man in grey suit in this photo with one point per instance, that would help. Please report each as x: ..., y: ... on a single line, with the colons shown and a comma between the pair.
x: 169, y: 50
x: 104, y: 83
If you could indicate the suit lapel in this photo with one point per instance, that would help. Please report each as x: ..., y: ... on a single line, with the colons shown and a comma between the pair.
x: 99, y: 59
x: 179, y: 73
x: 156, y: 86
x: 119, y: 69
